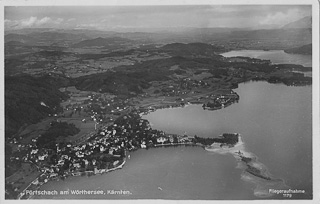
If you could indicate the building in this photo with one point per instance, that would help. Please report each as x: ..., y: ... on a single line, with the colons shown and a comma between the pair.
x: 162, y: 139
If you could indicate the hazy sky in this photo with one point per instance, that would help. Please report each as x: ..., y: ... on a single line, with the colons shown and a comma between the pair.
x: 126, y: 17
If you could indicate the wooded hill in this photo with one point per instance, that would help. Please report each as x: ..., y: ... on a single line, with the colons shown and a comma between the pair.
x: 29, y: 99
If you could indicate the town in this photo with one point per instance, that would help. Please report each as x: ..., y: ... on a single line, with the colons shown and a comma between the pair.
x: 105, y: 151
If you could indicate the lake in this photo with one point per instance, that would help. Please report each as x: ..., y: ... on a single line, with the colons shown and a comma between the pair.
x: 275, y: 122
x: 275, y: 56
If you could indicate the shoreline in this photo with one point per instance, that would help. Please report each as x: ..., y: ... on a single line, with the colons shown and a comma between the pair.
x: 261, y: 179
x: 100, y: 171
x: 72, y: 174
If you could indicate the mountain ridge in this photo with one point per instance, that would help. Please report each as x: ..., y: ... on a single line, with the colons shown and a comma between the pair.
x: 305, y: 22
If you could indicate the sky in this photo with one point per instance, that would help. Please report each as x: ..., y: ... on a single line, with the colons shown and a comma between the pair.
x: 147, y: 17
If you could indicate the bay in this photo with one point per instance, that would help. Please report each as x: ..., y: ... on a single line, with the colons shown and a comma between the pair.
x: 275, y: 122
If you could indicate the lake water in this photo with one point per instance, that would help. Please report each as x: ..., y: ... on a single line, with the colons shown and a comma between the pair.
x: 275, y: 124
x: 276, y: 56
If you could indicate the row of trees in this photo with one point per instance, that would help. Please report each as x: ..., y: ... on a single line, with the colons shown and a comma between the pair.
x: 226, y: 138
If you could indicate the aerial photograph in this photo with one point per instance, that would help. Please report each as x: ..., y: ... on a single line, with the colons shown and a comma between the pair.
x: 158, y: 102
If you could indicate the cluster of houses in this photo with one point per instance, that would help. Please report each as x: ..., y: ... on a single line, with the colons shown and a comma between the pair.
x: 183, y: 87
x: 98, y: 107
x: 92, y: 106
x: 104, y: 151
x: 137, y: 133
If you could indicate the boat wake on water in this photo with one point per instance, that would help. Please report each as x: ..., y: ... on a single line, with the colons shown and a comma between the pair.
x: 253, y: 171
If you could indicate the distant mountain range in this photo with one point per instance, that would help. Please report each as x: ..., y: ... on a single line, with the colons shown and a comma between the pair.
x: 19, y: 38
x: 44, y: 38
x: 305, y: 22
x: 57, y: 36
x: 15, y: 43
x: 298, y: 32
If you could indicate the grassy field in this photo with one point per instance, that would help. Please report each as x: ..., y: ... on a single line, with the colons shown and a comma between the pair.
x: 85, y: 127
x: 22, y: 178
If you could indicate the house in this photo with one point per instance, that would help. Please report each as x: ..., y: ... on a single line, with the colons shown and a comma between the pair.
x: 95, y: 170
x: 60, y: 162
x: 111, y: 151
x: 86, y: 162
x: 41, y: 158
x: 79, y: 154
x: 143, y: 145
x: 53, y: 175
x: 115, y: 162
x: 94, y: 162
x: 64, y: 156
x: 34, y: 151
x: 35, y: 182
x: 184, y: 138
x: 171, y: 139
x: 161, y: 139
x: 102, y: 149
